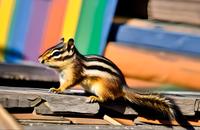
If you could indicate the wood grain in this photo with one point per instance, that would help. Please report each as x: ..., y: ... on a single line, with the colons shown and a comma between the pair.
x: 48, y: 103
x: 29, y: 75
x: 175, y: 10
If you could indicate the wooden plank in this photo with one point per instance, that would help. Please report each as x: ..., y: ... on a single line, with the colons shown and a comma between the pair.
x: 53, y: 103
x: 31, y: 116
x: 163, y: 67
x: 76, y: 104
x: 57, y: 119
x: 64, y: 104
x: 176, y: 11
x: 60, y: 122
x: 197, y: 105
x: 106, y: 127
x: 159, y: 122
x: 186, y: 105
x: 139, y: 83
x: 48, y: 103
x: 87, y: 121
x: 111, y: 120
x: 7, y: 122
x: 30, y: 75
x: 158, y: 39
x: 171, y: 27
x: 127, y: 122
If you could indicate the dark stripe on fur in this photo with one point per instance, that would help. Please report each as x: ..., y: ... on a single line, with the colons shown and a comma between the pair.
x: 100, y: 68
x: 107, y: 62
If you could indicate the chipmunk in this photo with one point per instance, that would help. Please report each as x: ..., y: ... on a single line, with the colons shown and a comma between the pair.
x: 97, y: 75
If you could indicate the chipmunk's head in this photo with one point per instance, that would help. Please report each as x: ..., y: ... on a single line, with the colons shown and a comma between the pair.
x: 59, y: 55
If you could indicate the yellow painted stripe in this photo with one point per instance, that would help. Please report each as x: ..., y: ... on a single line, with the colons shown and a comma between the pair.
x: 6, y: 11
x: 71, y: 18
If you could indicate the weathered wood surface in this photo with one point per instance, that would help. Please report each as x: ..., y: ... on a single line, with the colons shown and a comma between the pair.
x: 32, y: 118
x: 7, y: 122
x: 48, y: 103
x: 185, y: 11
x: 111, y: 120
x: 28, y: 75
x: 105, y: 127
x: 140, y: 120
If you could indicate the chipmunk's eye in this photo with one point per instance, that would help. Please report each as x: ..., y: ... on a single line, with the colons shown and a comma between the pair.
x: 56, y: 53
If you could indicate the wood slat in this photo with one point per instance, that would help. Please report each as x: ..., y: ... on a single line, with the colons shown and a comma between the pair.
x: 155, y: 65
x: 106, y: 127
x: 127, y: 122
x: 111, y: 120
x: 47, y: 103
x: 29, y: 75
x: 176, y: 11
x: 59, y: 119
x: 172, y: 27
x: 160, y: 122
x: 7, y: 122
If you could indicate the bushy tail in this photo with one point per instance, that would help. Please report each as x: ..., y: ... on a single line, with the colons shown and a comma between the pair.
x: 156, y: 106
x: 149, y: 104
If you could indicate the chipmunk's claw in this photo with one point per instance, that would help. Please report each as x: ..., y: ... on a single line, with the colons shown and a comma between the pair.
x: 92, y: 99
x: 54, y: 90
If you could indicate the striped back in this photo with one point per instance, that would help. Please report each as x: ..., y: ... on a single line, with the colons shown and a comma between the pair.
x: 28, y: 27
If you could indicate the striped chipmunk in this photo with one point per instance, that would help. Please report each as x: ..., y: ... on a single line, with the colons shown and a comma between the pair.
x: 99, y: 76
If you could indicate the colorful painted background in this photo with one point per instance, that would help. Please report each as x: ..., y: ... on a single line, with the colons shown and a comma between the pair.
x: 28, y: 27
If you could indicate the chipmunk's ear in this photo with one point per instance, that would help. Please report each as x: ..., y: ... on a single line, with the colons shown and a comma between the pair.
x: 71, y: 41
x: 70, y: 44
x: 62, y: 39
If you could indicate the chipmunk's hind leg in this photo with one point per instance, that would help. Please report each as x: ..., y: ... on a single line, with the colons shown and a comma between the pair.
x: 100, y: 95
x: 93, y: 99
x: 104, y: 91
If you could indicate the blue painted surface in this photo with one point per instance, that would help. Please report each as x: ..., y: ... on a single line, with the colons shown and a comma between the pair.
x: 159, y: 39
x: 107, y: 21
x: 18, y: 30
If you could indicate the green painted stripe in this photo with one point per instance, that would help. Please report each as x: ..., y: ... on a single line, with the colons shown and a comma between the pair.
x: 95, y: 41
x: 89, y: 29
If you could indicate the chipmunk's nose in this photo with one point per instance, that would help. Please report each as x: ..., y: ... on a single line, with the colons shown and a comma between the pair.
x: 41, y: 60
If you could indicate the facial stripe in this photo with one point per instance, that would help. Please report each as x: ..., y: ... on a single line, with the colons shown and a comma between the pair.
x: 67, y: 55
x: 59, y: 46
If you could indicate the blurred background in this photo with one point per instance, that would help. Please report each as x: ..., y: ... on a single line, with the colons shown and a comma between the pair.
x: 156, y: 43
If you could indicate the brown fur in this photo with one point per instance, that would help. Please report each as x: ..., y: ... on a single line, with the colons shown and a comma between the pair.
x: 154, y: 102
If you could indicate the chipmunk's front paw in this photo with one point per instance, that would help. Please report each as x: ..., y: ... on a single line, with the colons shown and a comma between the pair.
x: 54, y: 90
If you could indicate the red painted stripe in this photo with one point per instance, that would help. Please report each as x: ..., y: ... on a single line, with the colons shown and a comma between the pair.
x: 54, y: 24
